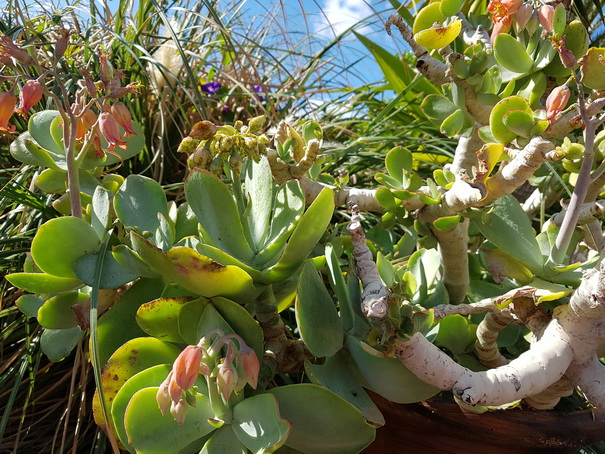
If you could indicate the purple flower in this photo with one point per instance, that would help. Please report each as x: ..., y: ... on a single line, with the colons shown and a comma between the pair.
x: 211, y: 87
x: 258, y: 89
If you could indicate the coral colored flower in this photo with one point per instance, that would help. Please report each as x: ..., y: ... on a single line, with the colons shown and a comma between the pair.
x: 556, y: 102
x: 546, y: 14
x: 523, y: 15
x: 85, y: 124
x: 30, y: 95
x: 250, y: 364
x: 226, y: 379
x: 502, y: 10
x: 179, y: 411
x: 187, y: 366
x: 163, y: 397
x: 7, y: 105
x: 122, y: 115
x: 110, y: 130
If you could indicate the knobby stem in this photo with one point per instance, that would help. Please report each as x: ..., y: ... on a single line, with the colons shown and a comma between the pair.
x: 579, y: 194
x: 73, y: 179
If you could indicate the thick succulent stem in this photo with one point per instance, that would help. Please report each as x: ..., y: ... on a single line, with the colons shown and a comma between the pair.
x: 282, y: 354
x: 453, y: 248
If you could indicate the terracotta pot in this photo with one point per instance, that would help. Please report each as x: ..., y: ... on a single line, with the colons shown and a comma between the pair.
x: 440, y: 426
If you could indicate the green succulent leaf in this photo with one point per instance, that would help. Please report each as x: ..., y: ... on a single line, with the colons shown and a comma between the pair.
x: 453, y: 124
x: 511, y: 55
x: 398, y: 161
x: 138, y: 202
x: 133, y: 357
x: 153, y: 376
x: 224, y: 441
x: 57, y: 344
x: 454, y: 334
x: 29, y: 304
x: 519, y: 121
x: 149, y: 432
x: 214, y: 206
x: 496, y: 120
x: 56, y: 312
x: 118, y: 325
x: 320, y: 418
x: 60, y: 242
x: 340, y: 375
x: 388, y: 376
x: 307, y: 233
x: 509, y: 229
x: 113, y: 275
x: 132, y: 261
x: 437, y: 108
x: 42, y: 283
x: 257, y: 424
x: 318, y: 321
x: 24, y: 149
x: 427, y: 16
x: 160, y: 318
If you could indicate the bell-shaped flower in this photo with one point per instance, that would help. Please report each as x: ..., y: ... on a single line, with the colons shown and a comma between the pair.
x: 226, y: 379
x: 7, y: 105
x: 503, y: 10
x: 85, y: 124
x: 179, y: 411
x: 111, y: 131
x: 122, y: 115
x: 186, y: 368
x: 163, y: 397
x: 9, y: 49
x: 174, y: 390
x: 523, y: 15
x: 30, y: 95
x: 250, y: 364
x: 556, y: 102
x: 546, y: 14
x: 567, y: 57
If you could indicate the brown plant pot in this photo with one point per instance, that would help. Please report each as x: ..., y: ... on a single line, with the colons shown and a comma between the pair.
x: 440, y: 426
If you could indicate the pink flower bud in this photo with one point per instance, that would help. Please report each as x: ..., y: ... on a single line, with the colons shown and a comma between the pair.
x: 110, y: 130
x: 163, y: 397
x: 546, y: 14
x: 7, y: 105
x: 106, y: 71
x: 567, y: 57
x: 174, y: 390
x: 179, y: 411
x: 250, y: 364
x: 85, y: 123
x: 62, y: 42
x: 9, y: 49
x: 523, y: 15
x: 30, y: 95
x: 226, y: 379
x: 187, y: 367
x: 556, y: 101
x: 122, y: 115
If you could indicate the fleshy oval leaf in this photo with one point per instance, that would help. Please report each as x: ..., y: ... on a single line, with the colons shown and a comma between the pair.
x: 510, y: 54
x: 437, y: 38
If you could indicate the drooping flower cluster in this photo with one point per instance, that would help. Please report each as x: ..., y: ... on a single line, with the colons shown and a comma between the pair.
x: 502, y: 15
x: 228, y: 374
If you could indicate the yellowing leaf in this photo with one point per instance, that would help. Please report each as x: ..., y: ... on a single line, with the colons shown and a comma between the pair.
x: 436, y: 38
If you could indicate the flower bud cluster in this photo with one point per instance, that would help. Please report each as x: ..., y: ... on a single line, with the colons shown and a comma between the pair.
x: 229, y: 373
x: 210, y: 147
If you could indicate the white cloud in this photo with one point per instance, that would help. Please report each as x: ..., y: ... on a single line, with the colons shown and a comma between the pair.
x: 339, y: 15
